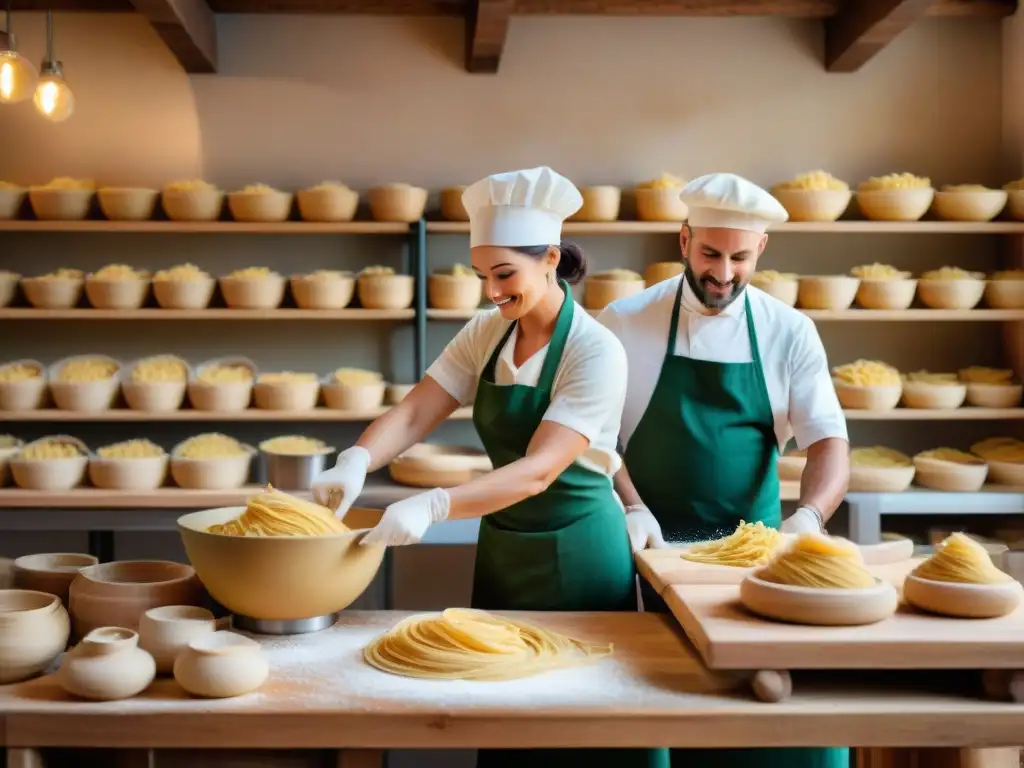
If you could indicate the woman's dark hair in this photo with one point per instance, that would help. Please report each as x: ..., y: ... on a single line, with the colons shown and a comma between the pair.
x: 572, y: 263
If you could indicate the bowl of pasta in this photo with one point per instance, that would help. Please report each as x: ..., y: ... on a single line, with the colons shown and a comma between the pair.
x: 895, y: 197
x: 1005, y: 289
x: 951, y: 288
x: 969, y: 202
x: 813, y: 196
x: 784, y: 286
x: 130, y: 465
x: 882, y: 286
x: 280, y: 557
x: 832, y: 292
x: 877, y: 469
x: 869, y: 385
x: 937, y: 391
x: 1005, y: 459
x: 819, y: 580
x: 949, y: 469
x: 960, y: 580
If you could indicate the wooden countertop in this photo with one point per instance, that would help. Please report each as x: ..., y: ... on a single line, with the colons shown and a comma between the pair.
x: 652, y: 691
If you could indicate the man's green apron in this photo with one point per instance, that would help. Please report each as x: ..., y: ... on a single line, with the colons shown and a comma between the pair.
x: 566, y: 549
x: 702, y: 458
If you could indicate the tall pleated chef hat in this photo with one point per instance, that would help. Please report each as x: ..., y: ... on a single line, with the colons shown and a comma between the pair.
x: 731, y: 202
x: 519, y: 208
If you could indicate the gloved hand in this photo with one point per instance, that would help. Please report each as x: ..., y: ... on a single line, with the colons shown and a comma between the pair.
x: 804, y: 520
x: 406, y: 521
x: 339, y: 487
x: 644, y: 530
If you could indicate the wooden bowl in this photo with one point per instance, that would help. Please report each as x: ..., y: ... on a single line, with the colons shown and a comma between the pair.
x: 52, y: 293
x: 51, y: 572
x: 452, y: 207
x: 11, y: 201
x: 599, y: 292
x: 1005, y: 294
x: 599, y: 204
x: 819, y: 607
x: 116, y: 294
x: 813, y: 204
x: 286, y: 395
x: 362, y: 398
x: 139, y: 474
x: 192, y: 204
x: 963, y: 601
x: 882, y: 398
x: 429, y: 465
x: 321, y: 292
x: 832, y: 292
x: 260, y: 206
x: 117, y: 594
x: 60, y: 204
x: 454, y: 291
x: 995, y: 395
x: 662, y: 270
x: 787, y: 291
x: 392, y: 292
x: 1005, y: 472
x: 1015, y: 204
x: 184, y: 294
x: 34, y: 631
x: 919, y: 394
x: 951, y: 294
x: 895, y: 204
x: 127, y: 204
x: 661, y: 204
x: 397, y: 202
x: 330, y: 203
x: 880, y: 479
x: 950, y: 476
x: 887, y: 294
x: 253, y: 292
x: 970, y: 206
x: 281, y: 578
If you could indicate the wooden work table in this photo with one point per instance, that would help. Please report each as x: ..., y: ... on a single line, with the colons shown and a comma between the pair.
x: 653, y: 691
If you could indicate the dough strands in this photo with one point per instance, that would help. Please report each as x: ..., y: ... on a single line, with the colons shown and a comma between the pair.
x: 750, y: 545
x: 961, y: 559
x: 462, y: 644
x: 275, y: 513
x: 821, y: 561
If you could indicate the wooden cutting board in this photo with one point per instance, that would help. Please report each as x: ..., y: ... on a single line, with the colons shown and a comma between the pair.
x: 728, y: 637
x: 663, y: 567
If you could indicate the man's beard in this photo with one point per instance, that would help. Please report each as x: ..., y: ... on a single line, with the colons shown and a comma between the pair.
x: 711, y: 301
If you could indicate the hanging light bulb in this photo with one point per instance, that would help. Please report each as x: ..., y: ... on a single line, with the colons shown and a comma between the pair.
x: 53, y: 97
x: 17, y: 75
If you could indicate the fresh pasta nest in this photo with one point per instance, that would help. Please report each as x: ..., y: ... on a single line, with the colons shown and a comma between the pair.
x: 461, y: 644
x: 750, y: 545
x: 818, y: 561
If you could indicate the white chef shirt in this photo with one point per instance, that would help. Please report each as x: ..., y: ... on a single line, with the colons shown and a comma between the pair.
x: 796, y: 370
x: 587, y: 394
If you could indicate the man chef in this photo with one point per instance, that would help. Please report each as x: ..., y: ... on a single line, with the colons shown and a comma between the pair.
x: 720, y: 376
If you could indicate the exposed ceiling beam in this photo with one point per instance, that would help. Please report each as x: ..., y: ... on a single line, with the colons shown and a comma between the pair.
x: 188, y: 28
x: 486, y: 30
x: 864, y: 27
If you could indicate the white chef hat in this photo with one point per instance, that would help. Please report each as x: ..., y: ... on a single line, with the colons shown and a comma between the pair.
x: 520, y: 208
x: 730, y: 201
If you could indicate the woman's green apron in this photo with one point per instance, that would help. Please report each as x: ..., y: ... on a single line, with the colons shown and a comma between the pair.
x: 566, y: 549
x: 702, y: 458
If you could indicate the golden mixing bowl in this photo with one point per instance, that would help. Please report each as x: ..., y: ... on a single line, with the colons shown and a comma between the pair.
x: 281, y: 578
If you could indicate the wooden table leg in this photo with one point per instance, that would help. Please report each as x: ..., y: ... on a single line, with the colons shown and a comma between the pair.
x: 772, y: 685
x: 998, y: 757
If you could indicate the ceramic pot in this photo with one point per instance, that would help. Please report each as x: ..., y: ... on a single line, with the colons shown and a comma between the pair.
x: 117, y: 594
x: 164, y: 632
x: 221, y: 665
x: 107, y: 665
x: 51, y: 572
x: 34, y: 629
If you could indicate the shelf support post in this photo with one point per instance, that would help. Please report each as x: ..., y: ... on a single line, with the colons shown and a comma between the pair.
x: 420, y: 335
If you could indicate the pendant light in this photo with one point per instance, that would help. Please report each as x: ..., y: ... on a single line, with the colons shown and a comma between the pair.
x: 53, y: 98
x: 17, y: 75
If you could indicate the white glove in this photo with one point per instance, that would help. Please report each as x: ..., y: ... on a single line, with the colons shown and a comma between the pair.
x: 406, y: 521
x: 644, y: 530
x: 804, y: 520
x: 338, y: 488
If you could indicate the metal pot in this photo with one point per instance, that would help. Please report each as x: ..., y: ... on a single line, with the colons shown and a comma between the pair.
x: 292, y: 473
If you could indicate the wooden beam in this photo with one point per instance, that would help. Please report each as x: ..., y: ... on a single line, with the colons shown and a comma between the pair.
x: 864, y: 27
x: 486, y: 30
x: 188, y: 28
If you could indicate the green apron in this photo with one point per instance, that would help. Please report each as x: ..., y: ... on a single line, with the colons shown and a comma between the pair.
x: 702, y: 458
x: 566, y: 549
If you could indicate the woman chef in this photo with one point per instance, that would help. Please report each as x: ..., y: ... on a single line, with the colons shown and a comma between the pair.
x: 720, y: 375
x: 547, y: 384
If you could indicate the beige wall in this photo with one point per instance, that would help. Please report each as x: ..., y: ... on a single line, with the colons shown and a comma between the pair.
x: 618, y: 100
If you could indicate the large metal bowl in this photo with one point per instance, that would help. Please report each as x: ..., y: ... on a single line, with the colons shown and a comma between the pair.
x: 281, y: 578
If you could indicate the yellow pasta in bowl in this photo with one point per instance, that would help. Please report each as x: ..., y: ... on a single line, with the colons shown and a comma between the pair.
x: 184, y: 286
x: 397, y: 202
x: 878, y: 469
x: 275, y: 513
x: 818, y: 579
x: 253, y: 288
x: 60, y: 289
x: 813, y: 196
x: 961, y: 580
x: 223, y: 385
x: 867, y: 385
x: 86, y: 383
x: 939, y: 391
x: 211, y: 461
x: 117, y: 286
x: 969, y: 202
x: 192, y: 200
x: 992, y: 387
x: 895, y: 197
x: 354, y: 389
x: 62, y: 199
x: 12, y: 197
x: 8, y: 281
x: 1005, y: 289
x: 827, y: 292
x: 327, y: 201
x: 155, y: 384
x: 658, y: 199
x: 951, y: 288
x: 1005, y: 459
x: 950, y: 469
x: 23, y: 385
x: 51, y: 463
x: 130, y: 465
x: 456, y: 288
x: 784, y: 286
x: 380, y: 287
x: 287, y: 391
x: 127, y: 203
x: 260, y: 203
x: 324, y: 289
x: 882, y: 286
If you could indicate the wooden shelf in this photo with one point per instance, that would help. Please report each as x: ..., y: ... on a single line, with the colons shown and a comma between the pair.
x: 809, y: 227
x: 28, y: 313
x: 967, y: 413
x: 212, y: 227
x: 825, y: 315
x: 189, y: 414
